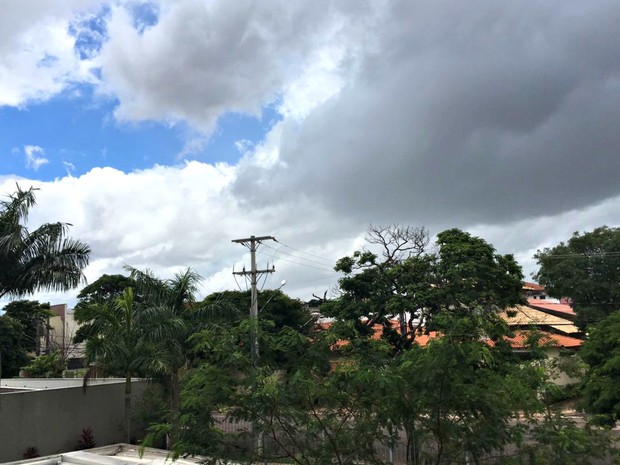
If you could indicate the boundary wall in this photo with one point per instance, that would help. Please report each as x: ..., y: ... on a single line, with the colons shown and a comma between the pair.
x: 50, y: 414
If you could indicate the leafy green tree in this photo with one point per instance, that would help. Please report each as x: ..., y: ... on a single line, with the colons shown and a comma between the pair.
x: 105, y: 288
x: 463, y: 276
x: 13, y: 346
x: 310, y: 413
x: 558, y: 440
x: 41, y: 259
x: 457, y: 289
x: 45, y: 366
x: 585, y: 269
x: 601, y: 351
x: 116, y: 342
x: 457, y: 399
x: 318, y: 415
x: 373, y: 289
x: 274, y: 305
x: 172, y: 314
x: 208, y: 390
x: 33, y: 316
x: 276, y: 312
x: 463, y: 396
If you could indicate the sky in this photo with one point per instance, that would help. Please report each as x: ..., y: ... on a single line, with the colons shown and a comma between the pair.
x: 161, y: 130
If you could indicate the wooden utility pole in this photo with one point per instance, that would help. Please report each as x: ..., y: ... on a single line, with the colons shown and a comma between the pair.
x: 252, y: 244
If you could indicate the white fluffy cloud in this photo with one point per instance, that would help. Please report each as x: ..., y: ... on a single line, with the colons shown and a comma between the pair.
x: 170, y: 218
x: 34, y: 156
x: 204, y: 59
x: 38, y: 58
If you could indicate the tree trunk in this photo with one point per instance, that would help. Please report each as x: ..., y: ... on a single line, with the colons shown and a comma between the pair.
x: 128, y: 408
x: 175, y: 407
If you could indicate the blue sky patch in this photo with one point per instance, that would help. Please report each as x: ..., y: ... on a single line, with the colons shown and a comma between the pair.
x: 76, y: 131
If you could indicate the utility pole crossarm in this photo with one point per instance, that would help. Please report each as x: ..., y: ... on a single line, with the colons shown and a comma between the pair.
x: 254, y: 239
x: 242, y: 273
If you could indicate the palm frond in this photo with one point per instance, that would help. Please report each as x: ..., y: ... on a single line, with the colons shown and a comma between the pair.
x: 15, y: 210
x: 42, y: 259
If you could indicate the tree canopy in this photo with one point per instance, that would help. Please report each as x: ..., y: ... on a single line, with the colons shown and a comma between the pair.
x: 115, y: 341
x: 106, y: 287
x: 41, y: 259
x: 601, y: 352
x: 106, y: 290
x: 13, y: 346
x: 585, y: 269
x: 33, y: 317
x: 463, y: 275
x: 274, y: 305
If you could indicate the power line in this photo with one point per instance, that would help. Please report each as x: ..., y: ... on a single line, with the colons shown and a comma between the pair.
x: 584, y: 255
x: 295, y: 256
x: 329, y: 260
x: 296, y: 263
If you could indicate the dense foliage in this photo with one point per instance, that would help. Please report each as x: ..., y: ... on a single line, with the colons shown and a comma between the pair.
x: 115, y: 343
x: 585, y: 269
x: 41, y: 259
x: 33, y: 317
x: 414, y: 356
x: 13, y: 346
x: 602, y: 383
x: 463, y: 276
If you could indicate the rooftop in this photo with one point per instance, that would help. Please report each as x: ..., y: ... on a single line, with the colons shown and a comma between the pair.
x: 524, y: 315
x: 118, y: 454
x: 36, y: 384
x: 559, y: 308
x: 528, y: 286
x: 521, y: 340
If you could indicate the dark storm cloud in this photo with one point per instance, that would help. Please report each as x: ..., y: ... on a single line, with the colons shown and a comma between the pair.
x: 469, y: 112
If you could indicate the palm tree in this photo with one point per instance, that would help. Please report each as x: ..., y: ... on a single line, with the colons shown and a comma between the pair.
x: 41, y: 259
x: 116, y: 342
x: 173, y: 316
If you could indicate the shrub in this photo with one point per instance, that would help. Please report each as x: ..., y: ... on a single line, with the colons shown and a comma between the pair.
x: 87, y: 440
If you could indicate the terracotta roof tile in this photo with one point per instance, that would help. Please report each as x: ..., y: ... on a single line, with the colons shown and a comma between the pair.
x: 528, y: 286
x: 519, y: 341
x: 563, y: 308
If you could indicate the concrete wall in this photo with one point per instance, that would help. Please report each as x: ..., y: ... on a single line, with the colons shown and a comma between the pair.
x: 52, y: 419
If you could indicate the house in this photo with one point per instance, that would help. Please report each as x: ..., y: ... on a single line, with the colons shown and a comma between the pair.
x: 526, y: 317
x: 58, y: 334
x: 560, y: 308
x: 533, y: 290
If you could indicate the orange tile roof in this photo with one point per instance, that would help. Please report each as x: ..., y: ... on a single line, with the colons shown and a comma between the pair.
x: 541, y: 304
x: 423, y: 339
x: 528, y: 286
x: 519, y: 341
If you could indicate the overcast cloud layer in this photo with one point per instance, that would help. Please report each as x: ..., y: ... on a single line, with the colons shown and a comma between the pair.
x: 498, y: 117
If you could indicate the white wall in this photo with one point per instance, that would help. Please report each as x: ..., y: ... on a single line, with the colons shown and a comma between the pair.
x: 52, y: 419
